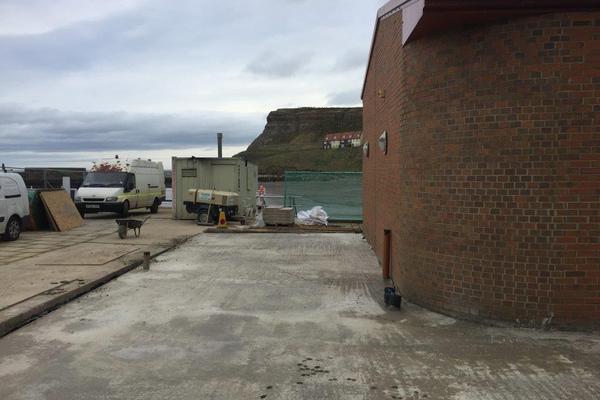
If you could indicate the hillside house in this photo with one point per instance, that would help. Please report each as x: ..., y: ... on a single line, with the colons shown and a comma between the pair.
x: 342, y: 140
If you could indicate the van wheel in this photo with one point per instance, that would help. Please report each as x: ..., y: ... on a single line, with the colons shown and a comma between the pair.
x: 125, y: 209
x: 13, y: 229
x: 154, y: 207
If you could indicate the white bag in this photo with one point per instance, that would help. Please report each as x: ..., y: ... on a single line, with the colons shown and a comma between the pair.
x: 259, y: 221
x: 314, y: 216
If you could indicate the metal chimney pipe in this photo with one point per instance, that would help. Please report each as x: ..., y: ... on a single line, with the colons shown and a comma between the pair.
x: 220, y: 144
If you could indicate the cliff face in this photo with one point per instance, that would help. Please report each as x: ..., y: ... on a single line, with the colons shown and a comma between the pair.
x: 292, y: 140
x: 306, y: 125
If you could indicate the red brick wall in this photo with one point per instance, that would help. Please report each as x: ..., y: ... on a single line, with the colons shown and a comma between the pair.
x: 491, y: 184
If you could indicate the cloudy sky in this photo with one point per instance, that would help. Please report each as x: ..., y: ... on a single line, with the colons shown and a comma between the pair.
x: 85, y: 79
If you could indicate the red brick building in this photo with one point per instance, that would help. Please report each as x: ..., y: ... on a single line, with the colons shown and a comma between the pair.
x: 488, y: 196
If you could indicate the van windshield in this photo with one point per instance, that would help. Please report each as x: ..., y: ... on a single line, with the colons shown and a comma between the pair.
x: 106, y: 179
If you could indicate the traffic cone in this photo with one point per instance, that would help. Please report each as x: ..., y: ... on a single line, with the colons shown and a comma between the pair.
x: 222, y: 220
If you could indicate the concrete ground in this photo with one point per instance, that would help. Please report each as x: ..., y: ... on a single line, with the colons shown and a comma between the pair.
x: 279, y: 316
x: 34, y: 243
x: 41, y: 262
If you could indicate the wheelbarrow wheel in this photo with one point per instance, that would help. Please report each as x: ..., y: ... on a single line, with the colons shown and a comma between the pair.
x: 125, y: 209
x: 123, y: 231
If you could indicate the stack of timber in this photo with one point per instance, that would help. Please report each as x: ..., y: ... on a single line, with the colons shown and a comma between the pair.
x: 278, y: 215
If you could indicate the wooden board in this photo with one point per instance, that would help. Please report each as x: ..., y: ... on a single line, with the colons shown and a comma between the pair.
x: 62, y: 213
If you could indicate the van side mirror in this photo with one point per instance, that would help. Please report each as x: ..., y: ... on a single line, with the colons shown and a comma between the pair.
x: 130, y: 186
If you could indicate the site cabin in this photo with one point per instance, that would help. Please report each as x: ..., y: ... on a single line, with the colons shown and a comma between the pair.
x: 14, y: 205
x: 220, y: 174
x: 120, y: 186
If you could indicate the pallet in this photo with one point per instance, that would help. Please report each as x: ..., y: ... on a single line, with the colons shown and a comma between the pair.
x: 278, y: 216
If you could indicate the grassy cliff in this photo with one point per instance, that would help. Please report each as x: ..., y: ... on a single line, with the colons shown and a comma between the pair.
x: 292, y: 140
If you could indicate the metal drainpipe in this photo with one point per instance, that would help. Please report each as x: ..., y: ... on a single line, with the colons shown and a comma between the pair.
x: 386, y: 254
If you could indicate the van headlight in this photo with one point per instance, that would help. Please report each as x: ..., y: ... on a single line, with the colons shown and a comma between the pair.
x: 111, y: 199
x: 77, y: 198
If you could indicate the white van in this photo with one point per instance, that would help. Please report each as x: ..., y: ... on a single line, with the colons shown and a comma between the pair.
x: 14, y: 205
x: 119, y: 186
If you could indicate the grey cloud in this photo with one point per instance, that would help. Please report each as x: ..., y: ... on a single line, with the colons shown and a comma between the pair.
x: 74, y: 48
x: 206, y: 34
x: 153, y: 34
x: 351, y: 60
x: 187, y: 31
x: 279, y: 65
x: 47, y: 130
x: 344, y: 98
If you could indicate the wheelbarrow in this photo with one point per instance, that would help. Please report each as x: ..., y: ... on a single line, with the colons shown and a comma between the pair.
x: 126, y: 224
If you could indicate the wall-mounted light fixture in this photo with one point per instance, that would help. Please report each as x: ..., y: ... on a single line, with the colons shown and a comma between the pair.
x: 383, y: 142
x: 381, y: 93
x: 366, y: 149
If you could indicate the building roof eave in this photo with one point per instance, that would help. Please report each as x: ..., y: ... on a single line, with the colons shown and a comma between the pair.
x: 388, y: 8
x: 424, y: 17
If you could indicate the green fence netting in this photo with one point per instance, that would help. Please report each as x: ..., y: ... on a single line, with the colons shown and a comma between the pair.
x: 339, y: 193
